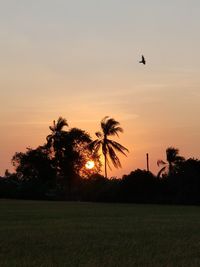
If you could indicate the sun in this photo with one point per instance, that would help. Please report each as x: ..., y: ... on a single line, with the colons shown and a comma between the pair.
x: 89, y: 164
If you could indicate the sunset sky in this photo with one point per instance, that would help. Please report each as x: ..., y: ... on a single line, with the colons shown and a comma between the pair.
x: 79, y: 60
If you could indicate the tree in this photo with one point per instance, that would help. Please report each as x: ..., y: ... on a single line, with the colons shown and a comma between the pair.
x: 34, y: 164
x: 54, y: 140
x: 35, y: 175
x: 139, y: 186
x: 188, y: 182
x: 173, y: 158
x: 109, y: 127
x: 69, y: 153
x: 76, y: 153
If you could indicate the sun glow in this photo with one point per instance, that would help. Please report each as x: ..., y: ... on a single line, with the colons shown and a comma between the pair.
x: 89, y: 164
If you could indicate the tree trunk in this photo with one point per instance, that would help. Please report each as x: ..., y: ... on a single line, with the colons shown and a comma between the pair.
x: 170, y: 168
x: 105, y: 166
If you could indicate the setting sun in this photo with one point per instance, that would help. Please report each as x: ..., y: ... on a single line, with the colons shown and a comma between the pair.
x: 89, y: 164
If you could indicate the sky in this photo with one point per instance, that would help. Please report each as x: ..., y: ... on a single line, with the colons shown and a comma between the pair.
x: 79, y: 60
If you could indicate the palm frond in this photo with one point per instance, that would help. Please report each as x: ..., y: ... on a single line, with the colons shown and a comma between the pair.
x: 103, y: 124
x: 61, y: 122
x: 161, y: 171
x: 94, y: 145
x: 110, y: 126
x: 99, y: 134
x: 112, y: 123
x: 172, y: 154
x: 115, y: 131
x: 53, y: 127
x: 49, y: 137
x: 161, y: 162
x: 118, y: 147
x: 108, y: 161
x: 112, y: 155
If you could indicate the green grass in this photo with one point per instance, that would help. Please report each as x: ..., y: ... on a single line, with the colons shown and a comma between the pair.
x: 37, y: 233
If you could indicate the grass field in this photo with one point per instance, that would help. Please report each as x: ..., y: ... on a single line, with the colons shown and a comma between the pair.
x: 36, y: 233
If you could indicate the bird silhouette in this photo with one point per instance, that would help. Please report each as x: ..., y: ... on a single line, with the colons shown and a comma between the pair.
x: 143, y: 61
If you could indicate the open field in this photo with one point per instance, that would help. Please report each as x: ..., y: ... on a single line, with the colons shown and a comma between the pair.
x: 36, y: 233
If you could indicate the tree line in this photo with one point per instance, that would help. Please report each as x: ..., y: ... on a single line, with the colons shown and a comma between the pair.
x: 57, y: 170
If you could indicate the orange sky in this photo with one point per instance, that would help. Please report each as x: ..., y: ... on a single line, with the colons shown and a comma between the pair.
x: 80, y: 61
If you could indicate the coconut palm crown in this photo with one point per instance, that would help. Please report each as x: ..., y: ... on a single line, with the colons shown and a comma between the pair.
x: 109, y: 127
x: 173, y: 158
x: 57, y: 133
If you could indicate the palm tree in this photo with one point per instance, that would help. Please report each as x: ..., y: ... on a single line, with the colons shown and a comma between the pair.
x: 54, y: 140
x: 109, y: 127
x: 173, y: 158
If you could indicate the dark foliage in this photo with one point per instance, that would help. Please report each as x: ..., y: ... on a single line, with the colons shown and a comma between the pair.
x: 187, y: 182
x: 100, y: 189
x: 139, y: 186
x: 56, y: 171
x: 69, y: 153
x: 35, y: 174
x: 34, y: 164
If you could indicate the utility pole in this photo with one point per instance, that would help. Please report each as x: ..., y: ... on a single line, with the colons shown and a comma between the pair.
x: 147, y: 157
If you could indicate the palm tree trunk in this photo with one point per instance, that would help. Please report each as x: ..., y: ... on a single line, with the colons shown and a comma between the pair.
x: 105, y: 160
x: 170, y: 168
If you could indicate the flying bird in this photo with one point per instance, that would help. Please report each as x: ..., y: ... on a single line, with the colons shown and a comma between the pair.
x: 143, y: 61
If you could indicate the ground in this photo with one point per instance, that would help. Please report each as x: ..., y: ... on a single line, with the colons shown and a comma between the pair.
x: 40, y: 233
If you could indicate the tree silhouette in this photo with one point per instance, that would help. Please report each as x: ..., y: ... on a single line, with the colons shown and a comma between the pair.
x: 57, y: 131
x: 109, y: 127
x: 69, y: 153
x: 173, y: 158
x: 34, y: 164
x: 55, y: 139
x: 76, y: 153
